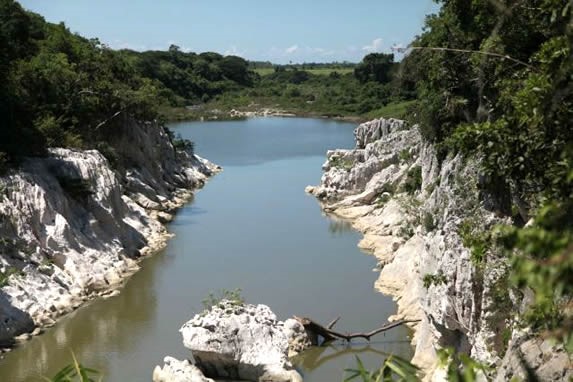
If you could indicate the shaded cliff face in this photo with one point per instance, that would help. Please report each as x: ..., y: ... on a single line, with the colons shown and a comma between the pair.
x: 72, y: 227
x: 418, y: 217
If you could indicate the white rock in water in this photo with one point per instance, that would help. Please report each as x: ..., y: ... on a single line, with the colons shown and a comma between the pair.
x: 237, y: 341
x: 178, y: 371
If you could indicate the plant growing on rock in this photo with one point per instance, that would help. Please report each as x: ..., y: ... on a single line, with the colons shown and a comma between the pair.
x: 77, y: 188
x: 342, y: 163
x: 475, y: 239
x: 406, y: 155
x: 413, y: 181
x: 4, y: 277
x: 428, y: 222
x: 434, y: 279
x: 214, y: 298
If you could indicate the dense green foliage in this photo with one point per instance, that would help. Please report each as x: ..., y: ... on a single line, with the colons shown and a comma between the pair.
x: 497, y: 82
x: 60, y: 89
x: 363, y: 89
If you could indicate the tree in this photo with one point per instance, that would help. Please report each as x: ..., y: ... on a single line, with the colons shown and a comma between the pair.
x: 375, y: 67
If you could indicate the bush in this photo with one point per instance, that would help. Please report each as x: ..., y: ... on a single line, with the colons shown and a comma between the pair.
x: 475, y: 240
x: 342, y: 163
x: 223, y: 294
x: 406, y: 155
x: 77, y: 188
x: 413, y: 180
x: 436, y: 279
x: 428, y: 222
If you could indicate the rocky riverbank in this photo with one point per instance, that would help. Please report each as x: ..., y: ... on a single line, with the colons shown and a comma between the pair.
x: 417, y: 214
x: 237, y: 341
x: 73, y: 227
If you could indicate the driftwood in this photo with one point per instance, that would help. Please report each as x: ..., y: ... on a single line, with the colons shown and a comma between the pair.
x: 328, y: 334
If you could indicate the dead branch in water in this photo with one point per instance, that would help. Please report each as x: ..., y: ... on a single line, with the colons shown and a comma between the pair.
x: 328, y: 334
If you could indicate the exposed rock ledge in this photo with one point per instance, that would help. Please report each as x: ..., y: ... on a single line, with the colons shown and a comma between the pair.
x: 266, y: 112
x: 72, y: 228
x: 415, y: 236
x: 236, y: 341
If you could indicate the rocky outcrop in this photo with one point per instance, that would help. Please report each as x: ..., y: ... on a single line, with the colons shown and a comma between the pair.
x: 174, y: 370
x: 241, y: 341
x: 549, y: 361
x: 415, y: 214
x: 72, y: 226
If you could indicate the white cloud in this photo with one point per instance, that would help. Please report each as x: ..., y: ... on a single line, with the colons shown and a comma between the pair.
x: 375, y: 46
x: 233, y: 51
x: 291, y: 49
x: 119, y: 44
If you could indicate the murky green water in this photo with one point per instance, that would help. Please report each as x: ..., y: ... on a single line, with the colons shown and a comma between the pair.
x: 253, y: 228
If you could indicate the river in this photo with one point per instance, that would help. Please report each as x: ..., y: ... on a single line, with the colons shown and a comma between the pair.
x: 252, y: 227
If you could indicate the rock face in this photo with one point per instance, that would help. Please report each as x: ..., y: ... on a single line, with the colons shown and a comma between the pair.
x: 72, y: 227
x: 178, y: 371
x: 413, y: 212
x: 550, y: 362
x: 238, y: 341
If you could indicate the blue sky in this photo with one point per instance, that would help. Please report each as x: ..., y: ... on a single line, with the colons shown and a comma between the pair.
x: 277, y: 31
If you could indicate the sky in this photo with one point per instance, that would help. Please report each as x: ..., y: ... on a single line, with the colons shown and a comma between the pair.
x: 278, y: 31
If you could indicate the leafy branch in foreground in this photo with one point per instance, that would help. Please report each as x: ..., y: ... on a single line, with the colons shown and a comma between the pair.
x: 394, y: 368
x: 75, y: 372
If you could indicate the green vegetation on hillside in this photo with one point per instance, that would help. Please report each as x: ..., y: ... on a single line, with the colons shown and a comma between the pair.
x: 492, y: 79
x: 60, y: 89
x: 495, y: 80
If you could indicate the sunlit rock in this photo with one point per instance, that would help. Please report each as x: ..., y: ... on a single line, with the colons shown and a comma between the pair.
x: 240, y: 341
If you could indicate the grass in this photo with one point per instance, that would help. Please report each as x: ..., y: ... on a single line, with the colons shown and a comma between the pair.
x: 398, y: 110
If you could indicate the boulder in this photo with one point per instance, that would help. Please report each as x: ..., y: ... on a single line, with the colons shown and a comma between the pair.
x: 178, y: 371
x: 239, y: 341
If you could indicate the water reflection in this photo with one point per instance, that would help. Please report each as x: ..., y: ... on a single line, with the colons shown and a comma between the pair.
x: 338, y: 226
x: 94, y: 333
x: 315, y: 357
x: 253, y: 227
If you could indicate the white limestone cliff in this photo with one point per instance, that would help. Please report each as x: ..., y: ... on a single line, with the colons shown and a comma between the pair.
x: 413, y: 211
x: 73, y: 227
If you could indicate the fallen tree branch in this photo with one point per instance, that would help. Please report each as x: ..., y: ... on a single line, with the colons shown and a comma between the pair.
x: 332, y: 323
x: 329, y: 335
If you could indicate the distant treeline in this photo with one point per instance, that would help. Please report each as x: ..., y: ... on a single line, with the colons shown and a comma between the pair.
x: 61, y: 89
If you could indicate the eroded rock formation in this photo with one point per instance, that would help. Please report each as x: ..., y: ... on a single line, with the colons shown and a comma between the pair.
x: 414, y: 212
x: 72, y: 226
x: 242, y: 341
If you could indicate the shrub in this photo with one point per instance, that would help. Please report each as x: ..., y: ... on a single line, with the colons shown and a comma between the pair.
x: 406, y: 231
x: 383, y: 199
x: 223, y: 294
x: 406, y: 155
x: 435, y: 279
x: 475, y: 240
x: 77, y: 188
x: 413, y: 180
x: 342, y: 163
x: 6, y: 275
x: 428, y: 222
